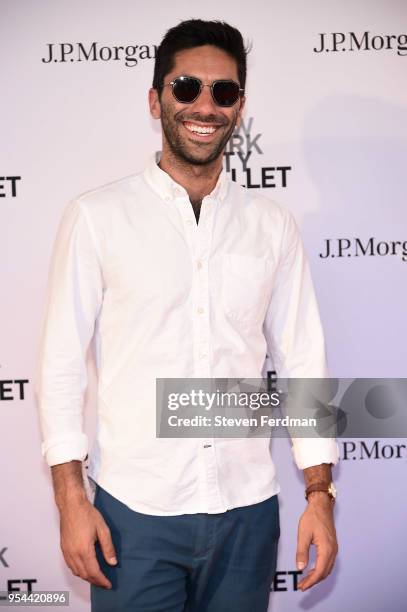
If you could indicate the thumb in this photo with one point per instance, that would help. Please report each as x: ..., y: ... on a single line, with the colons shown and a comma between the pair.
x: 106, y: 544
x: 303, y: 545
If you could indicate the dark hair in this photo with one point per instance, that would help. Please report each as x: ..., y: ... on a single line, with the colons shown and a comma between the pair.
x: 196, y: 33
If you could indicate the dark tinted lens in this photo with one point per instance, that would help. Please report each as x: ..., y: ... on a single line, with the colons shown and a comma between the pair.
x: 186, y: 89
x: 225, y: 93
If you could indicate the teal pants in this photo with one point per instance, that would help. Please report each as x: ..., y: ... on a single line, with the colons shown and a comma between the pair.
x: 189, y: 562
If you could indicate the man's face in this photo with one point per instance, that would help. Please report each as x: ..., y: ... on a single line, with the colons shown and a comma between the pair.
x: 208, y: 63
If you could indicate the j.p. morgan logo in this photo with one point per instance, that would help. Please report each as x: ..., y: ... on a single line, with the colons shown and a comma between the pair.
x: 97, y: 52
x: 372, y: 449
x: 365, y: 41
x: 358, y: 247
x: 242, y: 148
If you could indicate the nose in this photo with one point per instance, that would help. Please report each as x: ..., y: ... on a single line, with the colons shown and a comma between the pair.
x: 205, y: 104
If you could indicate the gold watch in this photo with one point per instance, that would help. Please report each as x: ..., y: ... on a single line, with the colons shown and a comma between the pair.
x: 326, y: 487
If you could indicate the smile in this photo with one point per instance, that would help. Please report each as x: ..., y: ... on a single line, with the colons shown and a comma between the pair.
x: 201, y: 130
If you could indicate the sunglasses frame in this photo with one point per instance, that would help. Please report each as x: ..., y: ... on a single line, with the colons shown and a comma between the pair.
x: 201, y: 86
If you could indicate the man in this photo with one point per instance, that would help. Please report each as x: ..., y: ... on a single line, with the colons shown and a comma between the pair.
x: 179, y: 273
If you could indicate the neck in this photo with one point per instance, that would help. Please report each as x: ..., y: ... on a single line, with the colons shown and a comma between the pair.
x: 197, y: 180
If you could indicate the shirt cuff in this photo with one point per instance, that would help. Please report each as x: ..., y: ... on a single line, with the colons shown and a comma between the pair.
x: 65, y: 449
x: 314, y: 451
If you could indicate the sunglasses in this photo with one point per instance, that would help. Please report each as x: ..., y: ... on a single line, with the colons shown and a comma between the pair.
x: 187, y: 89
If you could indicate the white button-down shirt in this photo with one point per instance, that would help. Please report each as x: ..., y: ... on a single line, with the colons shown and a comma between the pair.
x: 165, y: 297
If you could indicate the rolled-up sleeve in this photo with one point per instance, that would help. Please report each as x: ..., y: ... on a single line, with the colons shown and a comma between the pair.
x: 295, y: 336
x: 73, y: 299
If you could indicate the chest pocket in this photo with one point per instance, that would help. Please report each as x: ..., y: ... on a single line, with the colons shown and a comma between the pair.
x: 245, y: 287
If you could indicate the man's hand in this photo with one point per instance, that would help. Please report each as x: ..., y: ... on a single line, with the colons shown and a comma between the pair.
x: 81, y: 525
x: 316, y: 526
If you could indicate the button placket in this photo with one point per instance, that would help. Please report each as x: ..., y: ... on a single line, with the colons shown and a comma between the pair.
x: 199, y: 237
x: 202, y: 335
x: 208, y: 473
x: 209, y: 485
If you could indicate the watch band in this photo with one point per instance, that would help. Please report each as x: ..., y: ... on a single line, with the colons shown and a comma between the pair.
x: 325, y: 487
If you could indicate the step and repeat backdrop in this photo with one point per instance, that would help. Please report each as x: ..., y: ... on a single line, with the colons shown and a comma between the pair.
x: 324, y: 134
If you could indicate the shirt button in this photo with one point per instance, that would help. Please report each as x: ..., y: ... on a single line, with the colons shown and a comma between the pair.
x: 200, y: 310
x: 189, y: 221
x: 203, y: 355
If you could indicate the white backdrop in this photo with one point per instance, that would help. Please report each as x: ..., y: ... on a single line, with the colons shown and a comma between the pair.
x: 332, y: 124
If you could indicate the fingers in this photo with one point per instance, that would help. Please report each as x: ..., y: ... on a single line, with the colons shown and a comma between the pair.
x: 323, y: 567
x: 303, y: 544
x: 75, y: 565
x: 85, y: 566
x: 94, y: 575
x: 106, y: 543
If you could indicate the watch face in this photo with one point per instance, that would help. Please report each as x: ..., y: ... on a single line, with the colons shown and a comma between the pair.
x: 332, y: 490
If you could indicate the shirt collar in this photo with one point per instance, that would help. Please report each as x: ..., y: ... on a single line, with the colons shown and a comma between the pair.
x: 168, y: 189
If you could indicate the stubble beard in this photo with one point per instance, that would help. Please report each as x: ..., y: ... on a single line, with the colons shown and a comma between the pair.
x: 178, y: 145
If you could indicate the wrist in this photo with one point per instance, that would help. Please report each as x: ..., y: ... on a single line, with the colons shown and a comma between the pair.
x: 71, y: 495
x: 326, y: 488
x: 69, y: 486
x: 320, y: 497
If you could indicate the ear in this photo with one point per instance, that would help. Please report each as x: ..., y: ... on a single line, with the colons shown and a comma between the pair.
x: 154, y: 103
x: 240, y: 112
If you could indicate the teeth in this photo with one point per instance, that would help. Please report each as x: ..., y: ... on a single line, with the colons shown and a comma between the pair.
x: 199, y: 129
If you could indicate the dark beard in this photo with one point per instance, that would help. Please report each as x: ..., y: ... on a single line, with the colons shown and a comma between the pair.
x: 176, y: 144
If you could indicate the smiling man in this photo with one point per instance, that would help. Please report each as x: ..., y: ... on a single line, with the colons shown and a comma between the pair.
x: 198, y: 113
x: 178, y: 272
